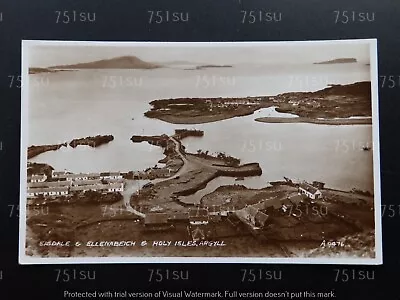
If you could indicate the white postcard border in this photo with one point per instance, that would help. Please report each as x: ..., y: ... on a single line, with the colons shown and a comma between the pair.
x: 28, y: 260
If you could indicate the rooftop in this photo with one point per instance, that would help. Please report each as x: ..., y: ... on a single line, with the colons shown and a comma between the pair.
x: 58, y: 172
x: 49, y: 184
x: 36, y: 176
x: 93, y: 174
x: 87, y: 182
x: 79, y: 175
x: 119, y: 180
x: 308, y: 187
x: 70, y: 175
x: 96, y: 187
x: 110, y: 174
x: 48, y: 190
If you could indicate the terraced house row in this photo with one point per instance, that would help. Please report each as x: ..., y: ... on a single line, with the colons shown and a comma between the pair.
x: 85, y: 176
x: 63, y: 183
x: 66, y: 190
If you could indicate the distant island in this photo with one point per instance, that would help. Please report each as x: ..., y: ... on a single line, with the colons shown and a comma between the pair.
x: 212, y: 66
x: 42, y: 70
x: 337, y: 61
x: 201, y: 67
x: 122, y: 62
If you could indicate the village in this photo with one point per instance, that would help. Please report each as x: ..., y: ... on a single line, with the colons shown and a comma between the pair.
x: 321, y: 107
x: 200, y: 222
x: 203, y: 220
x: 61, y: 183
x: 282, y: 212
x: 232, y: 217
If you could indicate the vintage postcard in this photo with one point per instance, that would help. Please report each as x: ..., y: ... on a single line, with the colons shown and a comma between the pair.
x: 255, y: 152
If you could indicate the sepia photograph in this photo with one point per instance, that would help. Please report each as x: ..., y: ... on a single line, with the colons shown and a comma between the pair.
x: 218, y: 152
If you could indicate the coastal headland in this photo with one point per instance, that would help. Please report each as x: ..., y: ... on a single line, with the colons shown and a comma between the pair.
x: 191, y: 173
x: 320, y: 107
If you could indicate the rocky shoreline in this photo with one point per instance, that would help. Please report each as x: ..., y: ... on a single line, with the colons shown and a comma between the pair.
x: 156, y: 140
x: 92, y: 141
x: 229, y: 160
x: 184, y: 133
x: 36, y: 150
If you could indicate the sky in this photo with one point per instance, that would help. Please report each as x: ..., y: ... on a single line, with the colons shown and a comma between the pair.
x: 209, y: 53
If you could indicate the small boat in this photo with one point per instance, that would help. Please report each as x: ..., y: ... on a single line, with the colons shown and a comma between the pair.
x: 366, y: 148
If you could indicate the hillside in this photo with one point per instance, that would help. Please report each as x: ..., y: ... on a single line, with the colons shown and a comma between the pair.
x: 362, y: 89
x: 122, y: 62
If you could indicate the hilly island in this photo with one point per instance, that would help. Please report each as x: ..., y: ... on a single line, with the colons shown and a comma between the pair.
x: 121, y: 62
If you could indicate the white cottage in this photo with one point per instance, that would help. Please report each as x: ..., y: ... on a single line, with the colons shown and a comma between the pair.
x: 198, y: 216
x: 37, y: 178
x: 58, y: 174
x: 116, y: 187
x: 309, y: 191
x: 51, y: 191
